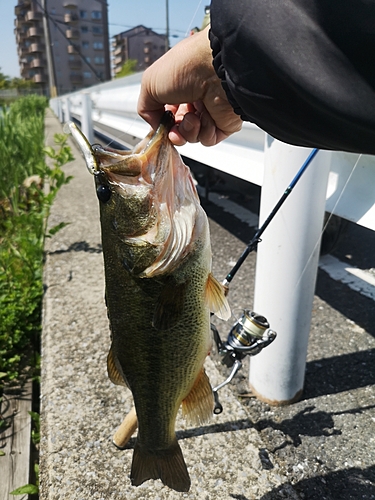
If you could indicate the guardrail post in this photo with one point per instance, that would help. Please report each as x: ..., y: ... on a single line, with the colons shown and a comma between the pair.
x: 67, y: 114
x: 86, y: 119
x: 287, y: 261
x: 60, y: 111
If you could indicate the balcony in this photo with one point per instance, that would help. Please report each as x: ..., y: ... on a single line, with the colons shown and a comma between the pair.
x: 117, y: 51
x: 71, y: 49
x: 20, y: 37
x: 35, y: 31
x: 70, y: 4
x: 39, y: 78
x: 37, y: 63
x: 70, y: 18
x: 36, y: 47
x: 25, y: 66
x: 72, y: 34
x: 118, y: 60
x: 18, y: 23
x: 33, y: 15
x: 20, y: 8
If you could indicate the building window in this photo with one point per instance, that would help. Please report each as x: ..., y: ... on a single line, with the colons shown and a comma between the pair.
x: 85, y: 45
x: 96, y: 14
x: 88, y: 59
x: 86, y: 74
x: 98, y: 45
x: 97, y: 30
x: 83, y: 14
x: 99, y: 60
x: 84, y: 29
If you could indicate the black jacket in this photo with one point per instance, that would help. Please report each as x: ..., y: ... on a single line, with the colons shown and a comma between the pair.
x: 302, y: 70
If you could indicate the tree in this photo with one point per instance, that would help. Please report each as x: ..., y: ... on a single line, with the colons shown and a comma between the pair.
x: 14, y: 83
x: 4, y: 81
x: 128, y: 68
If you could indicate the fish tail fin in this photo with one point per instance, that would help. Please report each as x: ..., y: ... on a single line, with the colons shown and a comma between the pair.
x: 168, y: 465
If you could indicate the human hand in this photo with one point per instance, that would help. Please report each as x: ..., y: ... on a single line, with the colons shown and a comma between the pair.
x: 184, y: 81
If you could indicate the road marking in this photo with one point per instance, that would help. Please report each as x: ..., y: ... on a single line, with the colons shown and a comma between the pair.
x: 358, y: 280
x: 243, y: 214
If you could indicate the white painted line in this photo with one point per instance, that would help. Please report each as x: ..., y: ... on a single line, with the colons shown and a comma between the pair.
x: 243, y: 214
x: 357, y: 279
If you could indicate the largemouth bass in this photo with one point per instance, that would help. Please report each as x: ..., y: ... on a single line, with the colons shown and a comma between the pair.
x: 159, y: 293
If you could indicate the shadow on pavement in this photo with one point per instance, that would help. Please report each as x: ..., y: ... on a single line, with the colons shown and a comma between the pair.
x: 340, y: 373
x: 347, y: 484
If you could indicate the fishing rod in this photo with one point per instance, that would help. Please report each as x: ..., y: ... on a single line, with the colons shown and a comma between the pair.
x: 251, y: 333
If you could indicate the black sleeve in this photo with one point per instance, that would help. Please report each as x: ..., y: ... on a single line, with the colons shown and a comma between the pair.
x: 302, y: 70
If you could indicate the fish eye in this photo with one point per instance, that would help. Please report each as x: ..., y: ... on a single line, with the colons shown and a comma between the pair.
x: 103, y: 192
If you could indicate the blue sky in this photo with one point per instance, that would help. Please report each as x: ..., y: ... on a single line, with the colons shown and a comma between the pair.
x: 123, y: 14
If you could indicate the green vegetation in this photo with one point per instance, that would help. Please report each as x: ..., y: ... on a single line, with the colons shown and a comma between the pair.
x: 11, y: 88
x: 27, y: 190
x: 128, y: 68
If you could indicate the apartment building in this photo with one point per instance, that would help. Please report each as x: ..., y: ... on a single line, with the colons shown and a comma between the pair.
x: 78, y: 31
x: 139, y: 43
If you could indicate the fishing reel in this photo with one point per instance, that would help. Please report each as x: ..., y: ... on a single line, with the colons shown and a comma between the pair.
x: 249, y: 336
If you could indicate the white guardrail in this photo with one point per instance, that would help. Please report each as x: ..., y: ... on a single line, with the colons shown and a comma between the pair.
x: 114, y: 113
x: 287, y: 259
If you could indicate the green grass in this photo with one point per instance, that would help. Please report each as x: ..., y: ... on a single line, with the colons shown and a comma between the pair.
x: 24, y: 209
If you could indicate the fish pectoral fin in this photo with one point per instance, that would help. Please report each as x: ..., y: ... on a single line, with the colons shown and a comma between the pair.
x: 169, y: 305
x: 113, y: 369
x: 198, y: 406
x: 168, y: 465
x: 216, y: 299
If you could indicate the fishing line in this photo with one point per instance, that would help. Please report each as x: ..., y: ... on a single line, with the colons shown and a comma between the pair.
x: 192, y: 19
x: 328, y: 220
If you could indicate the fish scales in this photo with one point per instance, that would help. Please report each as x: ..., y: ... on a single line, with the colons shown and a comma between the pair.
x: 159, y: 292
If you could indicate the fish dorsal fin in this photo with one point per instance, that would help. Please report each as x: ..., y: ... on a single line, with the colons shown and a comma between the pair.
x: 198, y: 406
x: 169, y: 305
x: 113, y: 369
x: 216, y: 299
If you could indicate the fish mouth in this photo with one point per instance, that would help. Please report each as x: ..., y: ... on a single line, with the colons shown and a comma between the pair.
x: 113, y: 162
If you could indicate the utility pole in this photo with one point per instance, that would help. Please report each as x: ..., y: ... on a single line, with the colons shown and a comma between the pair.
x: 167, y: 26
x: 50, y: 62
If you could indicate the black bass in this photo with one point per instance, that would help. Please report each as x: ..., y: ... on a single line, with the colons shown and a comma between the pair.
x: 159, y: 293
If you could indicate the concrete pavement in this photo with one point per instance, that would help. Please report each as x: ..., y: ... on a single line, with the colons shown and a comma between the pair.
x: 321, y: 447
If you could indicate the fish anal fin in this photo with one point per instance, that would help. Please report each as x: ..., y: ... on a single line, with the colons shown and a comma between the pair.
x: 113, y: 369
x: 198, y: 406
x: 169, y: 305
x: 216, y: 299
x: 168, y: 465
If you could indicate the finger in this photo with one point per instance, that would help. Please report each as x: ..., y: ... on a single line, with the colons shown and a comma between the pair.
x: 208, y: 131
x: 189, y: 127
